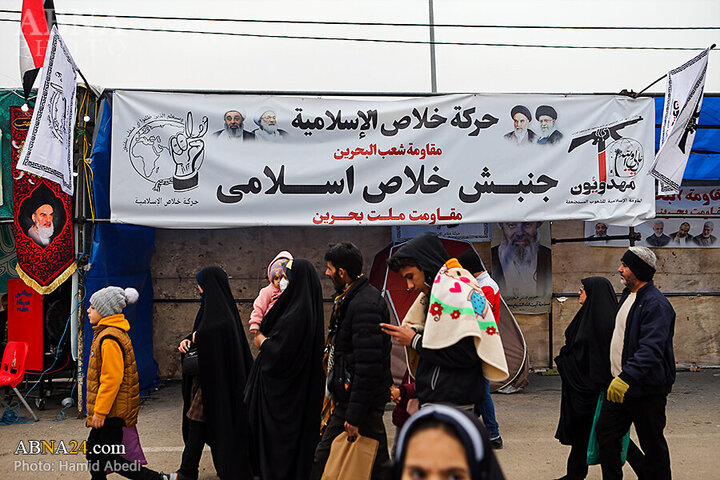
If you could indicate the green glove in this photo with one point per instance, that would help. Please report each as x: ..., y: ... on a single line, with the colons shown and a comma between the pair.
x: 616, y: 390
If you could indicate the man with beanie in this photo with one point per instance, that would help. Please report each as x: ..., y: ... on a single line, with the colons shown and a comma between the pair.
x: 642, y: 364
x: 113, y: 390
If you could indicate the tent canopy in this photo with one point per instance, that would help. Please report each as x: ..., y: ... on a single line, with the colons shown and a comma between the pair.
x: 704, y: 162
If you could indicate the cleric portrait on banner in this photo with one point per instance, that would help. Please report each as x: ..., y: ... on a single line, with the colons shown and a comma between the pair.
x: 42, y: 221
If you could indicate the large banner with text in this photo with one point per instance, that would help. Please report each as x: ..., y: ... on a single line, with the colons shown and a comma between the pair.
x: 196, y: 161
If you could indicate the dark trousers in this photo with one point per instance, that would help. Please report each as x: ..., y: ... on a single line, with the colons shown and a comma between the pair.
x: 372, y: 426
x: 647, y: 413
x: 194, y: 445
x: 109, y: 435
x: 577, y: 467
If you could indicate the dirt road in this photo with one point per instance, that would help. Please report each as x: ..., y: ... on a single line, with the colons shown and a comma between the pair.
x: 527, y: 425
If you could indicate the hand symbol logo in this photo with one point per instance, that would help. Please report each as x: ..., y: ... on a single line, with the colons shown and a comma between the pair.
x: 188, y: 151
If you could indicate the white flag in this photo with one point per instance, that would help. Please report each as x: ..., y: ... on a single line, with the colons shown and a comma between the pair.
x: 683, y: 100
x: 48, y: 148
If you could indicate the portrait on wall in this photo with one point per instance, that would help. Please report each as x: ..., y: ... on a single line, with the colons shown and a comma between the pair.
x: 522, y: 264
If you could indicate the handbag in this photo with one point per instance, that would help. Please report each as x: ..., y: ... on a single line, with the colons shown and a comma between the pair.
x: 593, y: 450
x: 190, y: 363
x: 350, y: 460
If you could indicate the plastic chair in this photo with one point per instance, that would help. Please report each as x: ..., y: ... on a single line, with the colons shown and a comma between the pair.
x: 12, y: 369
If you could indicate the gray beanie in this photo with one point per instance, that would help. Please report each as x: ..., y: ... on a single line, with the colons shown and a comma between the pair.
x: 111, y: 300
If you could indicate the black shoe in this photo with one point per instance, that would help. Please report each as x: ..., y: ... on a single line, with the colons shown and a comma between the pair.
x: 496, y: 443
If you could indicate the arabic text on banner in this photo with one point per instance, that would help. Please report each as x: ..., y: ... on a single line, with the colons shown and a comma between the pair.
x: 198, y: 161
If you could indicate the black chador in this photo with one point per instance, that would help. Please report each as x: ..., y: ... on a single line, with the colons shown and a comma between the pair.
x: 285, y: 389
x: 225, y: 361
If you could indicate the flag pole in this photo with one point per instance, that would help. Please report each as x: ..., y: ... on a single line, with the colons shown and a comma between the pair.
x: 635, y: 95
x: 87, y: 84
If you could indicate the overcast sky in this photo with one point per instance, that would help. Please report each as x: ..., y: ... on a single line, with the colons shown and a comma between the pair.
x: 156, y: 60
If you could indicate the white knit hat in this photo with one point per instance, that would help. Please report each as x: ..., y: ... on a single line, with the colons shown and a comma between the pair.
x: 111, y: 300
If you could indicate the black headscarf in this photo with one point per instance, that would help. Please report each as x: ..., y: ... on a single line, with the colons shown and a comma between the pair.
x: 286, y: 386
x: 428, y: 252
x: 584, y: 360
x: 472, y: 435
x: 224, y: 360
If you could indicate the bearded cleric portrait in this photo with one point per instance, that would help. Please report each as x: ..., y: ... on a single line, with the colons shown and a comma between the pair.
x: 41, y: 216
x: 42, y: 221
x: 521, y: 264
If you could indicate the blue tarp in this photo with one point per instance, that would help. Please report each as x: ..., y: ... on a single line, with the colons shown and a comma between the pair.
x: 704, y: 162
x: 121, y: 256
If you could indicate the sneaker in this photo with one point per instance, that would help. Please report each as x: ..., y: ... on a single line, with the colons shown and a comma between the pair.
x: 496, y: 443
x: 168, y: 476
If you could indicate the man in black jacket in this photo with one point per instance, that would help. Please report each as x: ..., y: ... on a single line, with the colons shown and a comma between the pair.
x: 642, y: 363
x: 359, y: 377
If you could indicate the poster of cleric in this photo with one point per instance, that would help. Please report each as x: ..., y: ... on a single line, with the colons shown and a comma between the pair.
x: 203, y: 161
x: 686, y: 226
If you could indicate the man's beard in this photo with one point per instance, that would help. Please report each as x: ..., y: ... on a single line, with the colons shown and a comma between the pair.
x: 234, y: 132
x: 271, y: 129
x: 520, y: 255
x: 630, y: 283
x: 338, y: 283
x: 520, y: 132
x: 45, y: 232
x: 547, y: 131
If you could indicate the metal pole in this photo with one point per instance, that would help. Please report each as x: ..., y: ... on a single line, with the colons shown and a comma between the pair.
x: 433, y: 72
x: 635, y: 95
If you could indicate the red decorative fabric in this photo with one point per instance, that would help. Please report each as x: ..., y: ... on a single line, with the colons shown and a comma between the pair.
x: 47, y: 259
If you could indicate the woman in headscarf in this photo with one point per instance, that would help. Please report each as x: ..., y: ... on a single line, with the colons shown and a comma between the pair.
x: 441, y: 441
x: 584, y: 366
x: 285, y: 390
x: 213, y: 408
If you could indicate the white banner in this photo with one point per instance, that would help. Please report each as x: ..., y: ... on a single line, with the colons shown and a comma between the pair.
x: 470, y: 232
x: 683, y: 100
x: 690, y: 201
x: 48, y: 149
x: 690, y: 232
x: 195, y: 161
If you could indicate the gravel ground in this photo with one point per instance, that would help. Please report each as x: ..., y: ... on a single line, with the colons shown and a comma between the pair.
x: 527, y: 425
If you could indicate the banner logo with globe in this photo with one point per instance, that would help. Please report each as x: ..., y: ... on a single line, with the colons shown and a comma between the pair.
x: 167, y: 150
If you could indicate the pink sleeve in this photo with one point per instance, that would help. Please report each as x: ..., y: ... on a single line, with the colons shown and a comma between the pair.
x: 260, y: 307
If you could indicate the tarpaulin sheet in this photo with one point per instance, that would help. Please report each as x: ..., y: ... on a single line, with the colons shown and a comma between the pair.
x: 121, y: 256
x: 704, y: 162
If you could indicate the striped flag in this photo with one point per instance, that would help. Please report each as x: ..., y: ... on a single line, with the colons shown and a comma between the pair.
x: 38, y: 18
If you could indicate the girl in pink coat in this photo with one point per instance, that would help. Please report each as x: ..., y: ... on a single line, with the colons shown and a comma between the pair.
x: 269, y: 294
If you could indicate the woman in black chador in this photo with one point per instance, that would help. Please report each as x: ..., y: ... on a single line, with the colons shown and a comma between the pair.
x: 285, y: 389
x: 584, y: 366
x: 213, y: 408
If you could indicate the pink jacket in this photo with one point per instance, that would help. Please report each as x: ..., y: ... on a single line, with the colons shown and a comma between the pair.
x: 267, y: 296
